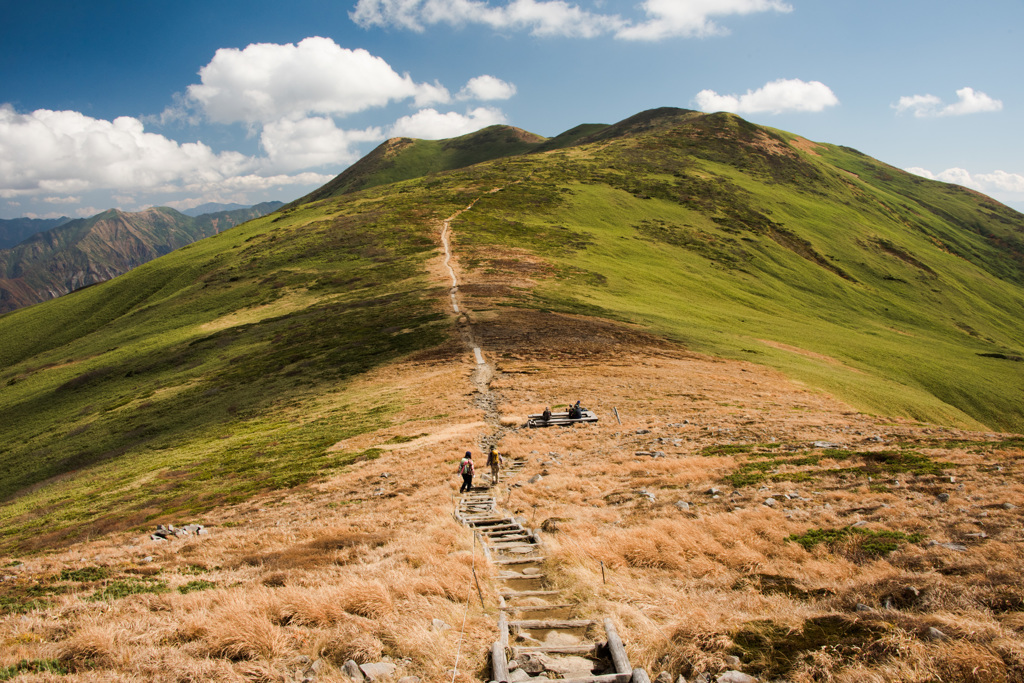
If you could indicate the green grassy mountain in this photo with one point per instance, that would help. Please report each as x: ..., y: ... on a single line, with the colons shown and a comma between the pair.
x: 404, y: 158
x: 230, y: 365
x: 82, y: 252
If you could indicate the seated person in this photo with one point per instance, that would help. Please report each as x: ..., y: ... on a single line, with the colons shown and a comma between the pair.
x: 546, y: 415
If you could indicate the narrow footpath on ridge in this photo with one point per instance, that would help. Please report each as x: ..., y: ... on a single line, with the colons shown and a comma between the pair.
x: 538, y: 637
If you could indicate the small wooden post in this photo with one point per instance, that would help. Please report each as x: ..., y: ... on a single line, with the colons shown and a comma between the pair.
x: 640, y: 676
x: 499, y: 665
x: 617, y: 649
x: 503, y: 630
x: 603, y: 579
x: 616, y: 410
x: 478, y: 591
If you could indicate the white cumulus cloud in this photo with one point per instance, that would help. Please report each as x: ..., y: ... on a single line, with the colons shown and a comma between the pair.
x: 269, y: 82
x: 66, y: 152
x: 693, y: 18
x: 969, y: 101
x: 775, y: 97
x: 661, y: 18
x: 487, y: 88
x: 1001, y: 185
x: 430, y: 124
x: 311, y: 142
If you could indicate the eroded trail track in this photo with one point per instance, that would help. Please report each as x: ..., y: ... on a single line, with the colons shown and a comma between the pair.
x: 538, y: 636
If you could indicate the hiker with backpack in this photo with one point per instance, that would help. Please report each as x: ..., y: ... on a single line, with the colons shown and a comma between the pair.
x: 494, y: 462
x: 466, y: 470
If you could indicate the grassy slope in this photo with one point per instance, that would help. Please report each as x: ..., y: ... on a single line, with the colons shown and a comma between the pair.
x: 683, y: 232
x: 219, y: 370
x: 226, y: 367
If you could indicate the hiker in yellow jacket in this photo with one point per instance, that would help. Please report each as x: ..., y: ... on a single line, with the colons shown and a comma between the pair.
x: 494, y: 462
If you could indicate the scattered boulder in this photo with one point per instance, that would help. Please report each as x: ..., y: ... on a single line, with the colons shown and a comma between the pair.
x: 377, y: 671
x: 663, y: 677
x: 439, y: 625
x: 771, y: 502
x: 736, y: 677
x: 683, y: 506
x: 352, y: 670
x: 518, y: 676
x: 825, y: 444
x: 943, y: 497
x: 935, y: 634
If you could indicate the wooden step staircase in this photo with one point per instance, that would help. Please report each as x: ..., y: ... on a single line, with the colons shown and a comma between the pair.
x: 538, y: 638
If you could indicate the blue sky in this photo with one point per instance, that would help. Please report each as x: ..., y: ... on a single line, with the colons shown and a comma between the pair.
x: 135, y: 104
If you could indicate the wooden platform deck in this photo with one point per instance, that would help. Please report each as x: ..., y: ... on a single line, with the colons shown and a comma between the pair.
x: 561, y: 419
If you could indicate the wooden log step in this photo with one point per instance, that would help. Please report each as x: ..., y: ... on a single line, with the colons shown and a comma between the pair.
x: 606, y: 678
x: 498, y: 535
x: 552, y: 623
x: 513, y: 576
x: 536, y: 608
x: 505, y: 536
x: 520, y: 560
x: 587, y: 649
x: 527, y: 594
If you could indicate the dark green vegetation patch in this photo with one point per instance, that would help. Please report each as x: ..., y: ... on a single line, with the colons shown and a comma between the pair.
x: 856, y: 540
x: 772, y: 650
x: 33, y: 666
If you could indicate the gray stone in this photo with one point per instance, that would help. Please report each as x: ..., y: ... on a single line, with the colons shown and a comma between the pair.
x: 954, y: 546
x: 682, y: 505
x: 531, y: 664
x: 377, y: 671
x: 517, y: 676
x: 534, y: 479
x: 352, y: 670
x: 147, y: 558
x: 943, y: 497
x: 714, y: 491
x: 825, y: 444
x: 681, y: 679
x: 643, y: 431
x: 438, y: 625
x: 733, y: 661
x: 663, y: 677
x: 736, y: 677
x: 409, y: 679
x: 1009, y: 506
x: 771, y: 502
x: 861, y: 607
x: 935, y: 634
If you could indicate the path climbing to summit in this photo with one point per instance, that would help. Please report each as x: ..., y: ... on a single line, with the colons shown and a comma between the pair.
x: 537, y: 637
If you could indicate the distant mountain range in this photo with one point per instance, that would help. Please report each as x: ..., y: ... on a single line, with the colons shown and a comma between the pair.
x: 212, y: 207
x: 14, y: 230
x: 78, y: 253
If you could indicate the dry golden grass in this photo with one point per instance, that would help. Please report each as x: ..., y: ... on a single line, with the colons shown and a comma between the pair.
x: 359, y: 565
